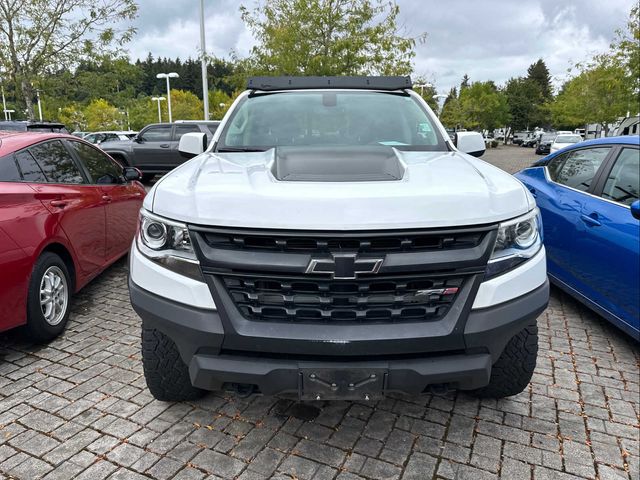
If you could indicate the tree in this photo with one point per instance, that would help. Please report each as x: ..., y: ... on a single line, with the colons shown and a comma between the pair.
x: 626, y: 52
x: 101, y: 115
x: 427, y: 91
x: 184, y: 106
x: 482, y: 106
x: 38, y: 36
x: 539, y: 74
x: 524, y: 98
x: 328, y: 37
x: 599, y: 94
x: 465, y: 82
x: 451, y: 115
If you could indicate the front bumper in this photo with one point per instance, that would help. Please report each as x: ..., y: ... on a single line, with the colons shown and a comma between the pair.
x: 199, y: 335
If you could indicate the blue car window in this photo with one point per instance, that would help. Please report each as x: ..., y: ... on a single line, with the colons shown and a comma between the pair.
x: 580, y: 166
x: 623, y: 183
x: 555, y: 165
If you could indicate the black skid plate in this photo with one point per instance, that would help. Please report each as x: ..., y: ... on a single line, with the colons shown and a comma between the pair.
x: 342, y: 383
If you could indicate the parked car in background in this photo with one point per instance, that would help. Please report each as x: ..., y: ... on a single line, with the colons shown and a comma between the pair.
x: 564, y: 140
x: 580, y: 131
x: 588, y: 196
x: 108, y: 136
x: 155, y: 149
x: 67, y: 211
x: 79, y: 134
x: 543, y: 147
x: 531, y: 140
x: 29, y: 126
x: 519, y: 137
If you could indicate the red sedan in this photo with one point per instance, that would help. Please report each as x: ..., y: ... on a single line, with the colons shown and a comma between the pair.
x: 67, y: 211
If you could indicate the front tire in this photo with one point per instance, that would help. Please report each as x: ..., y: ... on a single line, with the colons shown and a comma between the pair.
x: 166, y: 374
x: 512, y: 372
x: 48, y: 298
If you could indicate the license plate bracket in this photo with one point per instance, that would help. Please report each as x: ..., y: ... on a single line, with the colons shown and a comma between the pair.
x: 342, y: 383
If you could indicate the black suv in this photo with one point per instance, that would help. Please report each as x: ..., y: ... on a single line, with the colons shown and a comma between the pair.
x: 155, y: 149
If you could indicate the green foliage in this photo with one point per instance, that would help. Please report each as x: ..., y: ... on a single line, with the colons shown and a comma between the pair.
x: 483, y: 106
x: 526, y: 103
x: 599, y: 94
x: 37, y: 36
x: 538, y: 73
x: 184, y: 106
x: 451, y: 115
x: 101, y: 115
x: 427, y: 92
x: 328, y: 37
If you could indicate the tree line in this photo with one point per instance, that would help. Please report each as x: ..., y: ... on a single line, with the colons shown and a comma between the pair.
x: 79, y: 65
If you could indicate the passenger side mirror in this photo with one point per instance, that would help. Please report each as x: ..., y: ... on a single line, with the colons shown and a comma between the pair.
x: 137, y: 138
x: 635, y: 209
x: 470, y: 142
x: 192, y: 144
x: 131, y: 174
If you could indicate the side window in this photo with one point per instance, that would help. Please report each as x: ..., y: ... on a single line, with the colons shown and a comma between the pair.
x: 29, y: 169
x: 555, y: 164
x: 9, y: 170
x: 580, y: 167
x: 161, y: 133
x: 182, y: 129
x: 102, y: 169
x: 623, y: 183
x: 56, y: 162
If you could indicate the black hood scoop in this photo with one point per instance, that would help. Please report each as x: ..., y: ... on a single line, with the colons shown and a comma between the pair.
x: 337, y: 164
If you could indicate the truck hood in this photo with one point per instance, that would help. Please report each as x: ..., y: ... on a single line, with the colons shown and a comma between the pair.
x: 436, y: 189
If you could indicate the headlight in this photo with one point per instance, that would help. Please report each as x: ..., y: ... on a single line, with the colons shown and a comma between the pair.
x: 517, y: 241
x: 167, y: 243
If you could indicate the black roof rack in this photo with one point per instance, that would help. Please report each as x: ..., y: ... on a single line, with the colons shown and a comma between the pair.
x: 270, y: 84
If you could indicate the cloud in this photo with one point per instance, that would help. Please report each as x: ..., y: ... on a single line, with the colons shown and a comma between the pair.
x: 489, y: 40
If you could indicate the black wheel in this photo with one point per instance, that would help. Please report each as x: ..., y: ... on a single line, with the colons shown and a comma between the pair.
x: 166, y: 374
x: 147, y: 177
x: 48, y: 298
x: 512, y: 372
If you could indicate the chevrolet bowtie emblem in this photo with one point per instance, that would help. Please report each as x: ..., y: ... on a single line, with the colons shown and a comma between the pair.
x: 344, y: 266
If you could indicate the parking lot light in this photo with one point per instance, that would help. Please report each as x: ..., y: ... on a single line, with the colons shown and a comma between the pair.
x: 167, y: 76
x: 158, y: 99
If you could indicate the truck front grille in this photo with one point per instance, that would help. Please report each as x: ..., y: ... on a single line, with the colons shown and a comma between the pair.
x: 304, y: 299
x: 360, y: 243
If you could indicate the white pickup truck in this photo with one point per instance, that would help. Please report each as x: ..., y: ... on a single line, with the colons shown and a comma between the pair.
x: 333, y: 242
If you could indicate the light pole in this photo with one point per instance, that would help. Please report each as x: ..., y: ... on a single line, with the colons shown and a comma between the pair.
x: 168, y: 76
x: 39, y: 104
x: 205, y: 84
x: 422, y: 86
x: 158, y: 99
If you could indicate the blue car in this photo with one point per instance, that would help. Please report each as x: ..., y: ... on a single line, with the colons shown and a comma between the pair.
x: 588, y: 197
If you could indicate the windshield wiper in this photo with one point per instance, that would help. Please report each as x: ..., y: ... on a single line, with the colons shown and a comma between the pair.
x: 240, y: 149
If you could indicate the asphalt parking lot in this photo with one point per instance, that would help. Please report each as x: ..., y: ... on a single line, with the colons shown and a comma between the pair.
x: 78, y: 408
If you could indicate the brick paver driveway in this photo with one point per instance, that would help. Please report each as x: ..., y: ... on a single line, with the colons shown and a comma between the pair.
x: 78, y: 408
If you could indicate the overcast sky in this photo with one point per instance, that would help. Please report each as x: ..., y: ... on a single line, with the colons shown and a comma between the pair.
x: 488, y: 40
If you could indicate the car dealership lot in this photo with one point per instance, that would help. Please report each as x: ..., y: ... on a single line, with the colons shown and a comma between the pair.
x: 79, y: 408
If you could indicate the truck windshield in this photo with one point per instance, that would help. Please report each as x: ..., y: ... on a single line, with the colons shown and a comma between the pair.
x: 329, y: 118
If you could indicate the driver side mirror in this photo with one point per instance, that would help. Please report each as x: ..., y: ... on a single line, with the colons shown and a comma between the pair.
x: 192, y: 144
x: 471, y: 143
x: 131, y: 174
x: 635, y: 209
x: 138, y: 138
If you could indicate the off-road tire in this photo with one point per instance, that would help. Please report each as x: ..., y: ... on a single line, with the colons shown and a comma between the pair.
x: 38, y: 329
x: 166, y: 374
x: 512, y: 372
